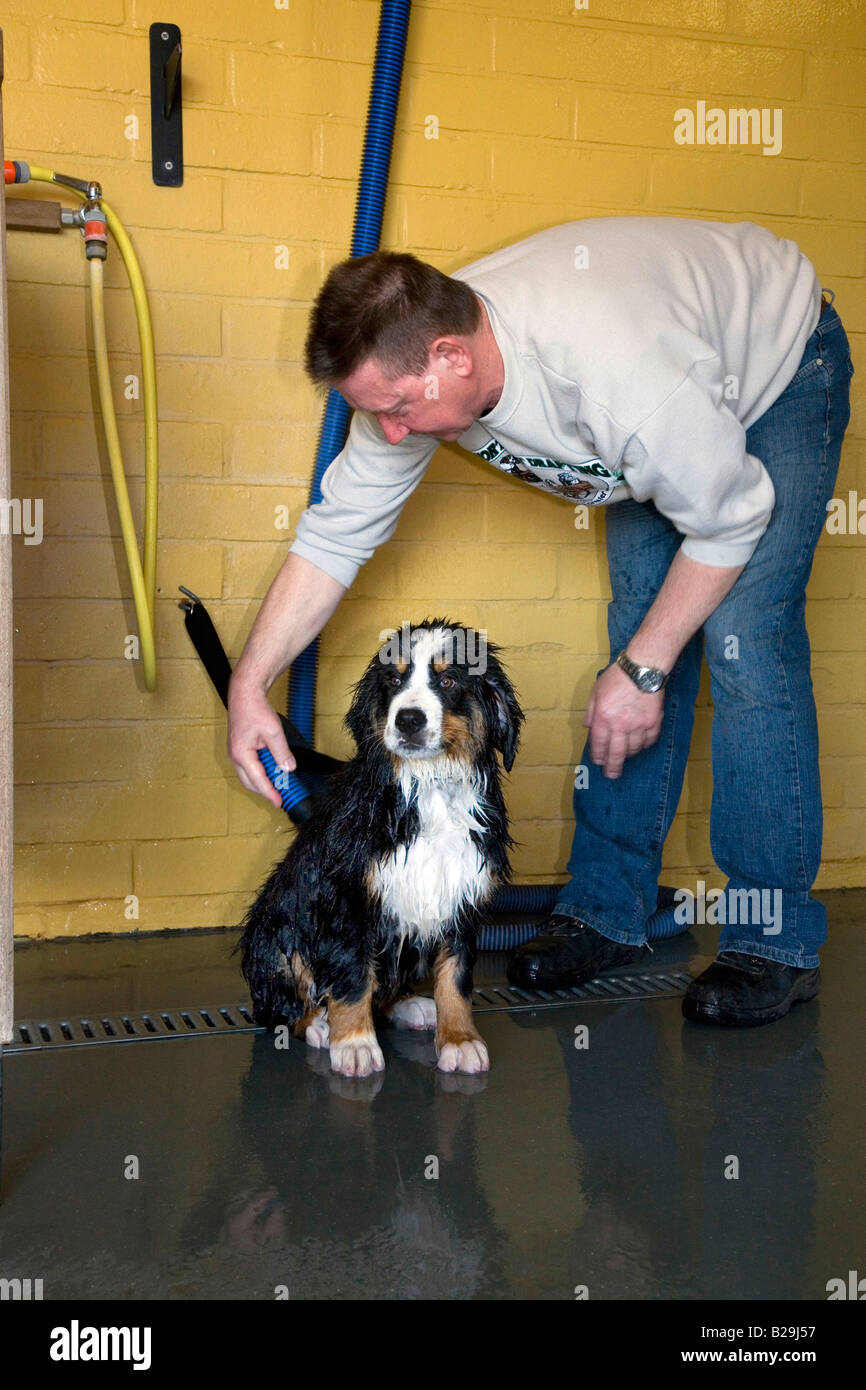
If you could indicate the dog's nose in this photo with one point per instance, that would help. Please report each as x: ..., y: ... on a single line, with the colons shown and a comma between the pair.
x: 409, y: 721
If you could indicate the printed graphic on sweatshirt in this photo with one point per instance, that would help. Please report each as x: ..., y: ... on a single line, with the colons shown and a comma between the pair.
x: 588, y: 483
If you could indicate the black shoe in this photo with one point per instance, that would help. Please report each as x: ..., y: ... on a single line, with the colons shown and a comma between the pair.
x: 743, y: 991
x: 566, y: 952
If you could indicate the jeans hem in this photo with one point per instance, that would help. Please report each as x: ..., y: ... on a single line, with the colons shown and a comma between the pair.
x: 621, y: 938
x: 800, y: 960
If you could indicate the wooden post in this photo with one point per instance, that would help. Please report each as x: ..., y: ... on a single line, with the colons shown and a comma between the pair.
x: 5, y: 644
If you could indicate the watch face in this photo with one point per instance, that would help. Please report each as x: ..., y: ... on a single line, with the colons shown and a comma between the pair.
x: 651, y: 683
x: 649, y: 680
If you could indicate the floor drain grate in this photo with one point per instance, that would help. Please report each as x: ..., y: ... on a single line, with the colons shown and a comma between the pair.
x: 659, y: 984
x: 40, y: 1035
x: 34, y: 1035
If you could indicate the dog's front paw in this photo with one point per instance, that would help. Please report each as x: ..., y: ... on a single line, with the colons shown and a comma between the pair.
x: 417, y: 1012
x: 470, y: 1054
x: 357, y: 1056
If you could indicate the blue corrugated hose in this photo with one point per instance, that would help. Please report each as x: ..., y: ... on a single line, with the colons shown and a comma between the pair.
x: 541, y: 897
x: 381, y: 113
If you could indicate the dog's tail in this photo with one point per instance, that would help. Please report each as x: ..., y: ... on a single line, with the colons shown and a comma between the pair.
x: 267, y: 947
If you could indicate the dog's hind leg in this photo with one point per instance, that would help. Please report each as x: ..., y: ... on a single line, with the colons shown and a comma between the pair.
x: 355, y: 1050
x: 266, y: 950
x: 312, y: 1026
x: 415, y: 1011
x: 458, y: 1042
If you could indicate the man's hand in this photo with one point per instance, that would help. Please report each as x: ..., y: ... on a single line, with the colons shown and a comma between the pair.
x: 296, y: 607
x: 253, y: 725
x: 621, y: 719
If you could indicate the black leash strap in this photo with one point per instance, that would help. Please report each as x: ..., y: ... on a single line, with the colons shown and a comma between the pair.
x: 205, y: 639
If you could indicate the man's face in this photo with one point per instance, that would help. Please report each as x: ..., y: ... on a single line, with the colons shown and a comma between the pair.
x: 442, y: 403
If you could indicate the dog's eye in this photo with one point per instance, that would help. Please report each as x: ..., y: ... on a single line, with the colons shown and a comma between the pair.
x: 447, y: 683
x: 395, y: 679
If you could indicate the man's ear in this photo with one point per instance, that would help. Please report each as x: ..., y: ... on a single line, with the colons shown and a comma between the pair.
x: 456, y: 353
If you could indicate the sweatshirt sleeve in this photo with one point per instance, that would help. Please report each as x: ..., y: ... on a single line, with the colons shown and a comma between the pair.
x: 689, y: 457
x: 364, y: 491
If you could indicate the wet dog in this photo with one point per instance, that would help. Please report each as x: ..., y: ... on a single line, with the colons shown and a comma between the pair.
x: 388, y: 879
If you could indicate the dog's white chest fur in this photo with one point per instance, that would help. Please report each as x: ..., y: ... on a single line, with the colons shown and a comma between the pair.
x: 423, y: 884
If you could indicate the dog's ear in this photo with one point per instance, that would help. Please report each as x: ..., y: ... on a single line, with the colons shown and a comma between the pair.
x: 504, y: 713
x: 356, y: 720
x: 359, y: 716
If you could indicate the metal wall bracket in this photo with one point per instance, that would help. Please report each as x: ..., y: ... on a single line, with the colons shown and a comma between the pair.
x: 166, y: 110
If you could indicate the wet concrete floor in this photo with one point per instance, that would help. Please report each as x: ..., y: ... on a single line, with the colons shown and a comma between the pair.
x: 610, y: 1166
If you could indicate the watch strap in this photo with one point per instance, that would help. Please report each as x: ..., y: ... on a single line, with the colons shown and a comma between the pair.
x: 637, y: 672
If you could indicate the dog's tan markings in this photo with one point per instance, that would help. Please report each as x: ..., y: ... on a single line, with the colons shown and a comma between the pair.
x: 303, y: 982
x: 458, y: 1042
x: 401, y: 666
x: 302, y: 977
x: 459, y: 736
x: 348, y: 1021
x: 440, y: 665
x: 354, y: 1047
x: 476, y: 725
x: 454, y: 1012
x: 370, y: 881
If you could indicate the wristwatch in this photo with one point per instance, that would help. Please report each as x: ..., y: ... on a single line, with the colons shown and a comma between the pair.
x: 646, y: 678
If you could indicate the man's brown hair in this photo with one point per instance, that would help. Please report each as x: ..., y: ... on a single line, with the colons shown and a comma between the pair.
x: 389, y: 305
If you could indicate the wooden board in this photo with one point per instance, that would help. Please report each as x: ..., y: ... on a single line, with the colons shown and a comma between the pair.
x: 32, y: 214
x: 5, y: 646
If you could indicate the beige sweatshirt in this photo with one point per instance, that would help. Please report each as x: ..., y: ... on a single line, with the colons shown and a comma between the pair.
x: 637, y: 352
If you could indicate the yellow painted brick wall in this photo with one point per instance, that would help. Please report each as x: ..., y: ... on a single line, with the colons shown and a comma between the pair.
x: 547, y: 111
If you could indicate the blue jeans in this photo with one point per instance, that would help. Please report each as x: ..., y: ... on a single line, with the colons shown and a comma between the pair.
x: 766, y: 818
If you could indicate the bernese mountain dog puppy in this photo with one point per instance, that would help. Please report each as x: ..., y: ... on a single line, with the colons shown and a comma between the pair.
x: 388, y: 878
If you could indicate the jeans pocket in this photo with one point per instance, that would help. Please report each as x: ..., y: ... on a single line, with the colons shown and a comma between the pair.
x: 812, y: 374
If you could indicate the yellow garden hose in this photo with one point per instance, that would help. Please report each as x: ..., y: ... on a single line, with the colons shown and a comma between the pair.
x: 142, y: 576
x: 142, y: 596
